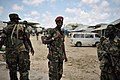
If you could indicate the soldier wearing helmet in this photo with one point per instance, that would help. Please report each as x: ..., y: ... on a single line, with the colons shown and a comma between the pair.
x: 17, y: 56
x: 109, y: 54
x: 55, y: 42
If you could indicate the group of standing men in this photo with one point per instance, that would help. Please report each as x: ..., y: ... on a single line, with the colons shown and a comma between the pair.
x: 18, y: 45
x: 16, y: 39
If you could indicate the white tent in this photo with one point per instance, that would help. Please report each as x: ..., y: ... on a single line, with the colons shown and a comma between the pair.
x: 101, y: 27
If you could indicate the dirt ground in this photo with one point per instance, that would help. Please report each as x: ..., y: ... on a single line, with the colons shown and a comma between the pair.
x: 82, y: 63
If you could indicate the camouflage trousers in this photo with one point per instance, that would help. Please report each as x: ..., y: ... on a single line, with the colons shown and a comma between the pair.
x: 18, y: 62
x: 55, y: 70
x: 109, y: 76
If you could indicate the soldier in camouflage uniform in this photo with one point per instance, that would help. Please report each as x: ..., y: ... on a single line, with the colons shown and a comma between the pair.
x: 109, y: 55
x: 17, y: 54
x: 54, y: 38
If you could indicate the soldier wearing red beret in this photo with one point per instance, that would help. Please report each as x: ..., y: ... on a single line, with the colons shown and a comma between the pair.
x: 59, y: 18
x: 56, y: 56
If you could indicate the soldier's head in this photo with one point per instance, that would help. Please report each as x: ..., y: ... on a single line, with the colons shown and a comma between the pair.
x: 25, y: 23
x: 14, y: 17
x: 110, y: 31
x: 59, y: 21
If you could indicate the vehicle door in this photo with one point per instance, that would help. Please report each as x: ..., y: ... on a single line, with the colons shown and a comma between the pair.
x: 78, y: 37
x: 97, y: 38
x: 89, y: 39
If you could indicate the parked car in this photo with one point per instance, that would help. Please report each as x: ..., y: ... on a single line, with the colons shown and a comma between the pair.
x: 84, y: 39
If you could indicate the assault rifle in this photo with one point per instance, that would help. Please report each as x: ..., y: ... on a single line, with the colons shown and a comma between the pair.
x: 110, y: 58
x: 28, y: 23
x: 113, y: 64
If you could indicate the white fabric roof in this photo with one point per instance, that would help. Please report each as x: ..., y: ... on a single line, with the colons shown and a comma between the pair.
x: 116, y: 21
x: 100, y: 28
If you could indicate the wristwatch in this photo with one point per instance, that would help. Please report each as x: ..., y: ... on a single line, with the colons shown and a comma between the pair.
x: 53, y: 38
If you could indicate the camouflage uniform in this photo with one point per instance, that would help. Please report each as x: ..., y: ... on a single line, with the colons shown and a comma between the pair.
x: 17, y: 56
x: 56, y: 54
x: 109, y: 57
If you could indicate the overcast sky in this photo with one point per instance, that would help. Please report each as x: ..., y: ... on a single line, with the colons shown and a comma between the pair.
x: 88, y: 12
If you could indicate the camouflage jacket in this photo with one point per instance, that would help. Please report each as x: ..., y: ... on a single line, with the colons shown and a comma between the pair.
x: 56, y: 47
x: 13, y: 34
x: 104, y: 49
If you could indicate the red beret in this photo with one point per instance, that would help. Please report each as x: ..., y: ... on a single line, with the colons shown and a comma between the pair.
x: 59, y: 18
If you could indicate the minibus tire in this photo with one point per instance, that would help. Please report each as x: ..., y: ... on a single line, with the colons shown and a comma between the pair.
x: 78, y: 44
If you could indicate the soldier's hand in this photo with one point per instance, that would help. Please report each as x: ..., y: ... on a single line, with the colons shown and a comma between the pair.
x: 118, y: 41
x: 32, y: 52
x: 66, y: 59
x: 58, y: 35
